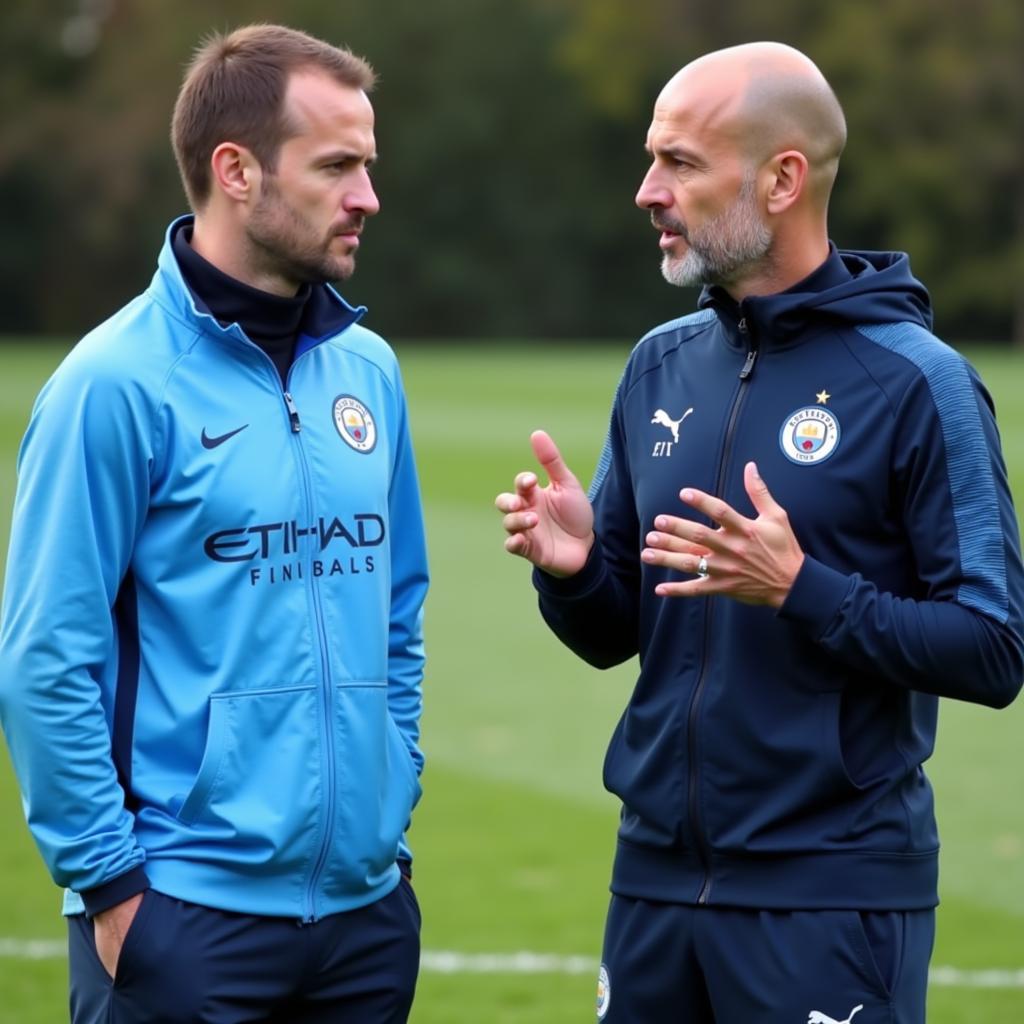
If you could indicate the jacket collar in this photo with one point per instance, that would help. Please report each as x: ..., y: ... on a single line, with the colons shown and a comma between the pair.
x: 761, y: 313
x: 326, y: 313
x: 849, y: 288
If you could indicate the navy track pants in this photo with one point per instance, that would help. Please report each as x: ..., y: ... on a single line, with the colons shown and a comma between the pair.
x: 664, y: 963
x: 186, y: 964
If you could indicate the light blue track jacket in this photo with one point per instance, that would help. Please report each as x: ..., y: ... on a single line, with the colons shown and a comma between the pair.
x: 211, y: 651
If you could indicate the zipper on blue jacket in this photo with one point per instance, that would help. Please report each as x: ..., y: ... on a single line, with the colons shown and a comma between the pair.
x: 326, y: 694
x: 703, y: 849
x: 293, y: 413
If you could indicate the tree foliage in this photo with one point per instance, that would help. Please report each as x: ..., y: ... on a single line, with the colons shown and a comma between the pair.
x: 511, y: 147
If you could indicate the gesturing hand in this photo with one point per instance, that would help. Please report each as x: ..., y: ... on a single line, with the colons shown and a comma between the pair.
x: 752, y: 560
x: 552, y: 526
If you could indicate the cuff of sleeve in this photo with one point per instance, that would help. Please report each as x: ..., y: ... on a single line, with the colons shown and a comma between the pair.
x: 815, y: 597
x: 117, y: 890
x: 572, y: 586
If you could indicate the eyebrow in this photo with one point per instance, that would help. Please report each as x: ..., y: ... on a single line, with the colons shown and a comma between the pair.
x: 672, y: 150
x: 338, y: 156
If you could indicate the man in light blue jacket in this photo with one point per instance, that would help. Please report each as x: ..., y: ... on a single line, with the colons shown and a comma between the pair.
x: 211, y: 650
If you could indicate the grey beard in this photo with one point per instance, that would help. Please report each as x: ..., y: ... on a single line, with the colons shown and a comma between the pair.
x: 725, y: 249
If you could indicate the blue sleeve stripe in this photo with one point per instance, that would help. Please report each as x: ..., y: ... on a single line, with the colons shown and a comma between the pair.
x: 604, y: 462
x: 702, y: 316
x: 126, y: 613
x: 968, y: 463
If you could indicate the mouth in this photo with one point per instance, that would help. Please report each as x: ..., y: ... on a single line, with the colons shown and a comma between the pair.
x: 350, y: 233
x: 670, y: 232
x: 349, y: 239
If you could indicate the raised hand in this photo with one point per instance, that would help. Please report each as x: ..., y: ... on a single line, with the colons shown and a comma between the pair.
x: 752, y: 560
x: 552, y: 526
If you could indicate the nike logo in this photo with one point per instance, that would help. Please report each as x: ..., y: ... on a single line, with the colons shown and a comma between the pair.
x: 213, y: 442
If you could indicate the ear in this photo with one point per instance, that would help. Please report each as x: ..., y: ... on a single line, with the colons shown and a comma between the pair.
x: 788, y: 179
x: 236, y: 172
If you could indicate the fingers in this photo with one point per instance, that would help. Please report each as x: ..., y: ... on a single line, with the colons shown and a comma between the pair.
x: 516, y: 522
x: 674, y: 533
x: 715, y: 509
x: 525, y: 484
x: 548, y: 455
x: 687, y: 588
x: 520, y: 514
x: 758, y: 491
x: 677, y: 554
x: 517, y: 544
x: 670, y: 542
x: 679, y: 562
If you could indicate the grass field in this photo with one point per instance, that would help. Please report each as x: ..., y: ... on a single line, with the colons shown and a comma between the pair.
x: 514, y: 834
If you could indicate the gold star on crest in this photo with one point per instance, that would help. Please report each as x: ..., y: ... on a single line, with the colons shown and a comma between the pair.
x: 823, y: 397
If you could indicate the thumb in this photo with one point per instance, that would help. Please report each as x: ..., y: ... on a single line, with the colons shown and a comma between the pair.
x: 550, y: 458
x: 757, y: 490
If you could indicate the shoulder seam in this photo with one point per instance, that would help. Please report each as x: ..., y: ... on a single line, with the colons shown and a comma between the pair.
x: 337, y: 341
x: 703, y: 319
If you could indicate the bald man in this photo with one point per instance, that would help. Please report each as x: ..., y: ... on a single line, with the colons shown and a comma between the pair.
x: 801, y: 523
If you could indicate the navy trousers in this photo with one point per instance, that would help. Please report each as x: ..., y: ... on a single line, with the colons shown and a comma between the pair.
x: 664, y: 963
x: 186, y: 964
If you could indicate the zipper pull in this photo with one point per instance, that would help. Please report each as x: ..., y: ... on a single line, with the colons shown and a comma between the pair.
x: 748, y: 366
x: 293, y: 413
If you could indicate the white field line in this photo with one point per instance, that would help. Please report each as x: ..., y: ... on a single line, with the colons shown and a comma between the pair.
x: 437, y: 961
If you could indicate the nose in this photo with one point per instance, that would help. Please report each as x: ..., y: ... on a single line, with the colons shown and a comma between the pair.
x: 362, y: 198
x: 652, y: 193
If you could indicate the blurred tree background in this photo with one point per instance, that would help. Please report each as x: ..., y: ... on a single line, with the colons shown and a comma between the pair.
x: 511, y: 138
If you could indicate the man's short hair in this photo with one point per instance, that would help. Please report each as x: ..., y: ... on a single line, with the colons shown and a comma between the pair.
x: 234, y: 89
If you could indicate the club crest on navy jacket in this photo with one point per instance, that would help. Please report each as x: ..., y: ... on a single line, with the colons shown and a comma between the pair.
x: 215, y: 585
x: 773, y: 759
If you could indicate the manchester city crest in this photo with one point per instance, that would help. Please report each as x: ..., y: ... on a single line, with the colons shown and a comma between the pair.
x: 810, y: 435
x: 604, y: 992
x: 355, y: 423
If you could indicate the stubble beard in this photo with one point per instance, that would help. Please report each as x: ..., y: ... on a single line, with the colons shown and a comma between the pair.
x: 284, y: 244
x: 731, y: 246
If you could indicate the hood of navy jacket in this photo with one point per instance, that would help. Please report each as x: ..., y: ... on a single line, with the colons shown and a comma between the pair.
x: 852, y: 287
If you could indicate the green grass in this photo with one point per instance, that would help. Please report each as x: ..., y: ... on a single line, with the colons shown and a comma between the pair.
x: 514, y: 835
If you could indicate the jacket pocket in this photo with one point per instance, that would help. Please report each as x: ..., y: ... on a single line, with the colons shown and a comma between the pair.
x: 377, y: 788
x: 259, y: 780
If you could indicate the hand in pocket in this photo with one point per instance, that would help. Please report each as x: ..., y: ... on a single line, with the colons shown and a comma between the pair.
x: 109, y: 929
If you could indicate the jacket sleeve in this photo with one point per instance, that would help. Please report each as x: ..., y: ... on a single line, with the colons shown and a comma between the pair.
x: 81, y: 499
x: 596, y: 612
x: 962, y: 635
x: 409, y: 581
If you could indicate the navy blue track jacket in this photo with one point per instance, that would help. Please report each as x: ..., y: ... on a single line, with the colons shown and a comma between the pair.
x: 773, y: 759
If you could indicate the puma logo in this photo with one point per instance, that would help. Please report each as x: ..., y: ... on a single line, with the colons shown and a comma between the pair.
x: 817, y: 1017
x: 663, y: 419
